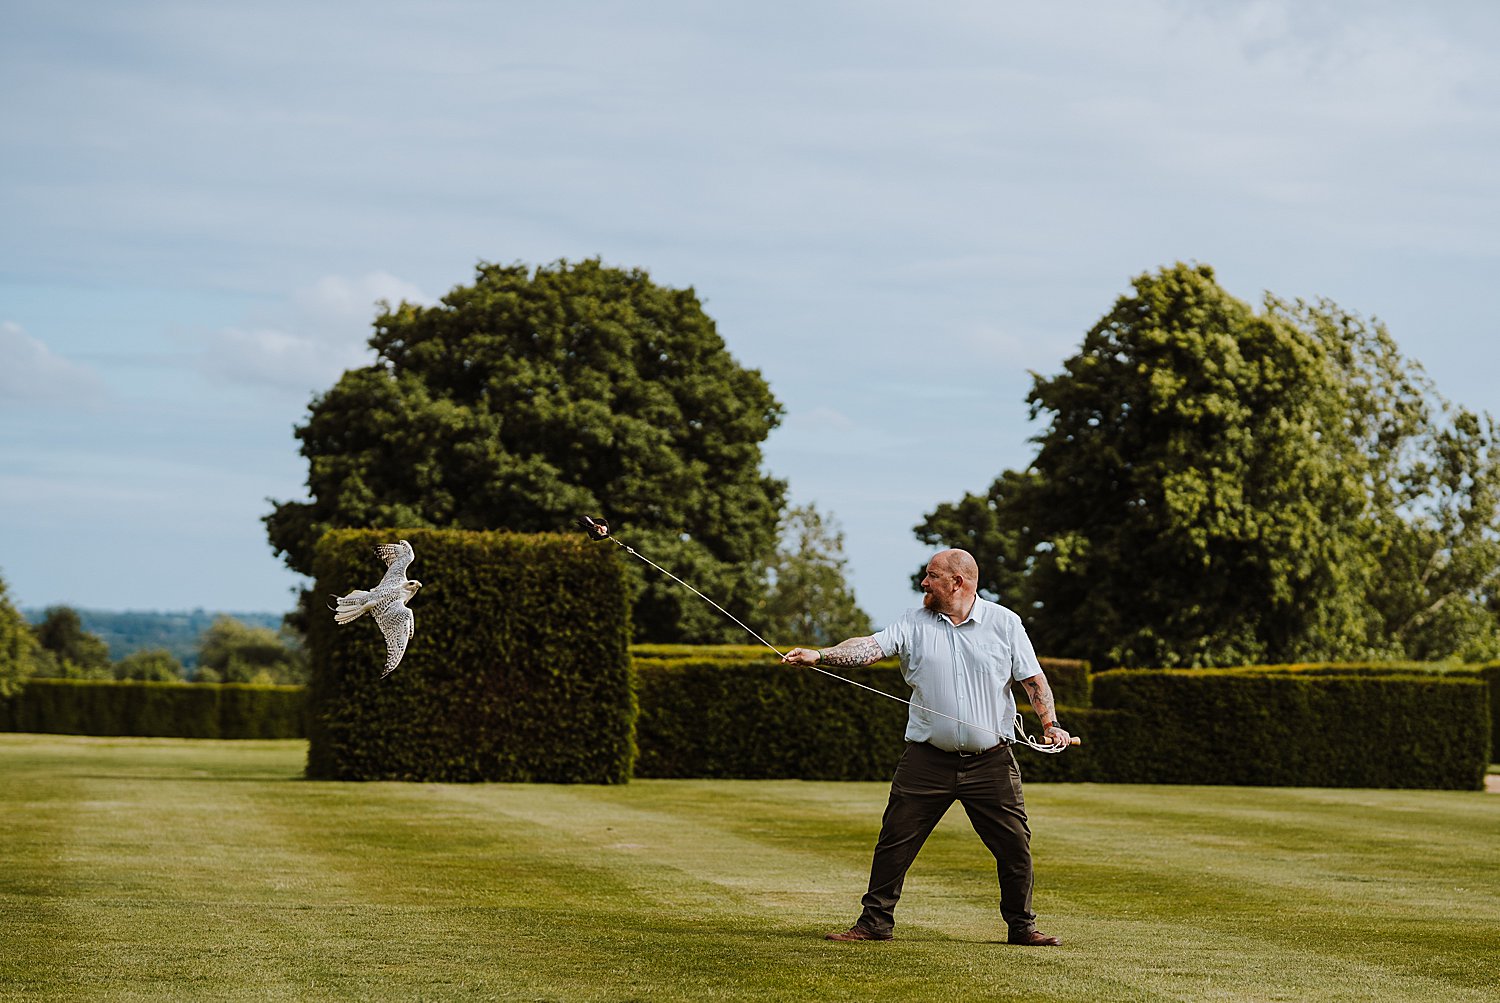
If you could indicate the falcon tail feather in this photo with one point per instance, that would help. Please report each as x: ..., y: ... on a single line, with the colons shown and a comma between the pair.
x: 350, y: 607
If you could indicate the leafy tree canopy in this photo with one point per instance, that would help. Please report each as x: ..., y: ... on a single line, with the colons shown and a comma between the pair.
x: 67, y: 650
x: 150, y: 665
x: 534, y: 395
x: 18, y: 645
x: 808, y: 600
x: 1220, y: 485
x: 179, y: 632
x: 235, y: 652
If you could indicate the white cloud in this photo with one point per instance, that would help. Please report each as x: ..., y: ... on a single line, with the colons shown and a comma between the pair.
x: 277, y: 359
x: 33, y: 374
x: 324, y: 334
x: 887, y: 208
x: 1280, y: 104
x: 336, y: 302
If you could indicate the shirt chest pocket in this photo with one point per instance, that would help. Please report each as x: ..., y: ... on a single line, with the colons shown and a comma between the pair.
x: 993, y: 658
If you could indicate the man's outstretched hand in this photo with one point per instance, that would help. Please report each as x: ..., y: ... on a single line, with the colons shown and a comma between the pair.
x: 802, y: 656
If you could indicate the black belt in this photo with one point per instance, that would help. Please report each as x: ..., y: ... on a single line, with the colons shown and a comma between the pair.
x: 971, y: 755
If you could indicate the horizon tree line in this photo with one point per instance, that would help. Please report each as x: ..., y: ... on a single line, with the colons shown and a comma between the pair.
x: 1216, y: 483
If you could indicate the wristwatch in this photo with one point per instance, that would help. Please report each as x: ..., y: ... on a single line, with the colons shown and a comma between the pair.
x: 1047, y: 727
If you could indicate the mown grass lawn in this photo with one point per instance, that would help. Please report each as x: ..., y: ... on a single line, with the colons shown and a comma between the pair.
x: 155, y: 869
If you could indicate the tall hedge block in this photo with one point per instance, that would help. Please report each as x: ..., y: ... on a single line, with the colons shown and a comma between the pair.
x: 519, y: 669
x: 1205, y: 726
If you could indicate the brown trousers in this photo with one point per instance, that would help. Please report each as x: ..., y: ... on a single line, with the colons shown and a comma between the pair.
x: 927, y: 782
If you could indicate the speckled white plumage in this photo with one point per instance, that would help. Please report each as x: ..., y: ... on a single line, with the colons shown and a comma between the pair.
x: 386, y: 602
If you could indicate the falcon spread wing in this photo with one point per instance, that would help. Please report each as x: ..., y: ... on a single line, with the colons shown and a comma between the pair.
x: 386, y: 602
x: 398, y: 625
x: 397, y: 558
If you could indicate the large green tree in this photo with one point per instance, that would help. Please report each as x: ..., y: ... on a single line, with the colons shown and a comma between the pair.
x: 1218, y: 485
x: 232, y: 651
x: 532, y: 396
x: 1440, y: 557
x: 808, y: 600
x: 67, y: 650
x: 18, y: 645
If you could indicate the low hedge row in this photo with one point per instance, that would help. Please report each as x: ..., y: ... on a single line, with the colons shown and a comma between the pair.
x: 164, y: 710
x: 700, y: 652
x: 1069, y: 678
x: 1334, y: 725
x: 716, y: 718
x: 1487, y: 671
x: 764, y: 720
x: 1321, y: 726
x: 1292, y: 728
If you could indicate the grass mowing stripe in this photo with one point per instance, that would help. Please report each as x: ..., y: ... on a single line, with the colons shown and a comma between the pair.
x: 163, y: 871
x: 1389, y: 903
x: 159, y: 869
x: 578, y: 887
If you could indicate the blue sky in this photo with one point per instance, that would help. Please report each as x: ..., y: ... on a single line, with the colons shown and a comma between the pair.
x: 896, y: 212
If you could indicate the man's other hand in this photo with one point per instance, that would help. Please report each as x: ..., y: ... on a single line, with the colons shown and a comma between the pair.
x: 1056, y: 736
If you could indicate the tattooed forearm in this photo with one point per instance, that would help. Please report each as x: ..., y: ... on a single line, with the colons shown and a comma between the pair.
x: 1040, y: 692
x: 855, y: 651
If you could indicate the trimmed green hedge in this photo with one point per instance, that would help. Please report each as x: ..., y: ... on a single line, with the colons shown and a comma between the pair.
x: 1487, y: 671
x: 764, y: 720
x: 1069, y: 678
x: 1490, y: 673
x: 161, y: 710
x: 519, y: 669
x: 716, y: 718
x: 1325, y: 726
x: 1362, y: 668
x: 1071, y: 681
x: 700, y: 653
x: 1292, y: 728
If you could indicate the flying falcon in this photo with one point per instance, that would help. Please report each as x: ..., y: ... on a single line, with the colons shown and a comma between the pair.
x: 386, y: 602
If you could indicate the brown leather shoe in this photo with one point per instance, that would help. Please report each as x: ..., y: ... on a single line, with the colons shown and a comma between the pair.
x: 1034, y: 938
x: 857, y: 933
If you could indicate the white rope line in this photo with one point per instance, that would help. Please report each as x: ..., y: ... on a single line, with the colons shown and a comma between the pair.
x: 1023, y: 738
x: 700, y: 595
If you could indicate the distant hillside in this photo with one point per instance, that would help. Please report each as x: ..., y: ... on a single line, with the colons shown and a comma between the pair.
x: 179, y: 633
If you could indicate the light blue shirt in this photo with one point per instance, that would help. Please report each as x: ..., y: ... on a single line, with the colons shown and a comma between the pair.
x: 963, y: 670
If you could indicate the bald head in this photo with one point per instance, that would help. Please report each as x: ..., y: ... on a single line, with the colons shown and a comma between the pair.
x: 959, y: 562
x: 951, y: 583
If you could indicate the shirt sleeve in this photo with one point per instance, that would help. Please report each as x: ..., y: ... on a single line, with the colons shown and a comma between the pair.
x: 1024, y: 663
x: 895, y: 638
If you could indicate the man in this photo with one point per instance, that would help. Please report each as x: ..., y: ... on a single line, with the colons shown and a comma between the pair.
x: 959, y: 654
